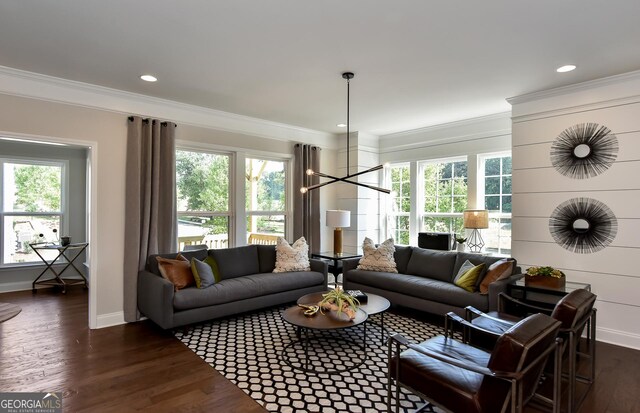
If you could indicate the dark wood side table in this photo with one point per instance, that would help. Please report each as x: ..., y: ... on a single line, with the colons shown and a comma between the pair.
x: 334, y: 261
x: 542, y: 296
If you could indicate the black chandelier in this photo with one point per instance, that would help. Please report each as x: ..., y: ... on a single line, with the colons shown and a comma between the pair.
x: 348, y: 76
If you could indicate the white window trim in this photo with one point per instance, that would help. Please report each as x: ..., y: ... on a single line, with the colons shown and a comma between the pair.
x: 482, y: 158
x: 64, y: 202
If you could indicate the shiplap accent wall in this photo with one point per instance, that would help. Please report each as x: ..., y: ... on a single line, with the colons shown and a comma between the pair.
x: 362, y: 202
x: 538, y: 189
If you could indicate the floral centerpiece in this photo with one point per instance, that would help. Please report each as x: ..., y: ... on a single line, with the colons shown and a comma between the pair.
x: 545, y: 277
x: 340, y: 302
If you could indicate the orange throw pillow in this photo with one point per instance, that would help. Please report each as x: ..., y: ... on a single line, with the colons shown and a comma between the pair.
x: 177, y: 271
x: 499, y: 270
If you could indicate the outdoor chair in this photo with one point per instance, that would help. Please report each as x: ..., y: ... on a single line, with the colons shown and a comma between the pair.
x: 575, y: 311
x: 458, y: 377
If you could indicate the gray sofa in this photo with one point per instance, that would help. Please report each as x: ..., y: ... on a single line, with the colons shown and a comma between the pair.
x: 247, y: 283
x: 425, y: 281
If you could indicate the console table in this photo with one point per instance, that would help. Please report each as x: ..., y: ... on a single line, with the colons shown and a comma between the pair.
x: 542, y: 296
x: 69, y: 253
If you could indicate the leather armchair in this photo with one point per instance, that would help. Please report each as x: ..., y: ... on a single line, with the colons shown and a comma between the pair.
x: 458, y: 377
x: 575, y: 311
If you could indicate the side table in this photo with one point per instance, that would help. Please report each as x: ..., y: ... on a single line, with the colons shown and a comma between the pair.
x: 334, y: 261
x: 70, y: 253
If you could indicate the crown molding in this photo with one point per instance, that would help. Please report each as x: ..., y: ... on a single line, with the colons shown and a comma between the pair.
x: 48, y: 88
x: 448, y: 125
x: 577, y: 87
x: 490, y: 126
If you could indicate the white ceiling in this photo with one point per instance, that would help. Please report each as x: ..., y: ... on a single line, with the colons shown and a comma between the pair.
x: 417, y: 62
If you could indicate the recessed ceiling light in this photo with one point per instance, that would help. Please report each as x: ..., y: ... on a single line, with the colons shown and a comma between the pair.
x: 341, y: 125
x: 148, y: 78
x: 565, y: 68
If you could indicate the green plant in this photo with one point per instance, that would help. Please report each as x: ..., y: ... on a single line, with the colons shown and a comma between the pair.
x: 544, y: 272
x: 339, y: 301
x: 461, y: 240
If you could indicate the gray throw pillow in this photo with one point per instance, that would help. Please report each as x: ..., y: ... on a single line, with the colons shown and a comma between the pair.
x: 463, y: 269
x: 202, y: 273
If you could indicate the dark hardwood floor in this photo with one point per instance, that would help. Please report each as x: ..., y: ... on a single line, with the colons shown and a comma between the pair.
x: 48, y: 347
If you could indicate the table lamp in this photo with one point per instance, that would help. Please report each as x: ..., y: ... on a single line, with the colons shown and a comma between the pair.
x: 338, y: 219
x: 475, y: 219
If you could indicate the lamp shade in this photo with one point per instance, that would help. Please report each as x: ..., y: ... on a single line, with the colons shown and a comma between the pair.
x: 337, y: 218
x: 476, y: 218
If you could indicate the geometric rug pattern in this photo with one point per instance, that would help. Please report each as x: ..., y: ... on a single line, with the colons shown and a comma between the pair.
x: 248, y: 351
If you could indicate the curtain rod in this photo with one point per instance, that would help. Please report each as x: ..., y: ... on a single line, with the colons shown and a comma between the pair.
x: 146, y: 120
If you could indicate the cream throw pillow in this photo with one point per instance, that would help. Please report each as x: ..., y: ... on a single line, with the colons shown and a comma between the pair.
x: 292, y: 257
x: 378, y: 259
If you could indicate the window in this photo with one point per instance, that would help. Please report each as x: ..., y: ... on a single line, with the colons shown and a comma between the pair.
x: 496, y: 192
x: 32, y: 207
x: 444, y: 195
x: 400, y: 200
x: 266, y: 200
x: 204, y: 212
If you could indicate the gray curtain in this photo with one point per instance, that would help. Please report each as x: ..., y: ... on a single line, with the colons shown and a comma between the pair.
x: 150, y: 200
x: 306, y: 207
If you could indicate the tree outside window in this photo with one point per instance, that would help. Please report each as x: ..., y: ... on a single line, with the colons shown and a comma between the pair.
x: 32, y: 207
x: 400, y: 204
x: 444, y: 195
x: 497, y: 200
x: 265, y: 197
x: 202, y: 183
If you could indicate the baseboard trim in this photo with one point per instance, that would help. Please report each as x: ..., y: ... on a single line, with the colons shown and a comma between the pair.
x: 619, y: 338
x: 16, y: 286
x: 111, y: 319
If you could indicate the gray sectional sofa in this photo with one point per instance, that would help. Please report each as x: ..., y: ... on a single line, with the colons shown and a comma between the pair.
x: 247, y: 283
x: 425, y: 281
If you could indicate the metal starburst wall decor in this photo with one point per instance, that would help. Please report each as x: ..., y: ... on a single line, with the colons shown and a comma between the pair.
x: 584, y: 150
x: 583, y: 225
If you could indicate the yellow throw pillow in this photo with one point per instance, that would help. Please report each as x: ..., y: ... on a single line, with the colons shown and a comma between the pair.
x: 468, y: 276
x: 214, y: 267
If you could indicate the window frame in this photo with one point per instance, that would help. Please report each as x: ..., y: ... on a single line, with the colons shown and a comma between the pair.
x: 230, y: 198
x: 391, y: 217
x: 63, y: 213
x: 422, y: 215
x: 500, y: 215
x: 286, y: 211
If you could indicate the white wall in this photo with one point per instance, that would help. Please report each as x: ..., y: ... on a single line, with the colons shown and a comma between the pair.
x: 538, y: 189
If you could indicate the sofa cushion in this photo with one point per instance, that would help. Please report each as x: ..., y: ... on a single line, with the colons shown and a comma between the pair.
x: 497, y: 271
x: 378, y: 258
x: 468, y: 275
x: 292, y: 257
x: 236, y: 262
x: 241, y: 288
x: 475, y: 259
x: 152, y: 262
x: 432, y: 264
x: 202, y: 273
x: 267, y: 257
x: 420, y: 287
x: 177, y: 271
x: 402, y: 256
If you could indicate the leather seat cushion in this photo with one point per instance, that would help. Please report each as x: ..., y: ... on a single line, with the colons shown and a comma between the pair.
x: 451, y: 387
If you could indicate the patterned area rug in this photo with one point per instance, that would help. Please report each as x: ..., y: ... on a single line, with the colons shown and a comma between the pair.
x: 248, y: 350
